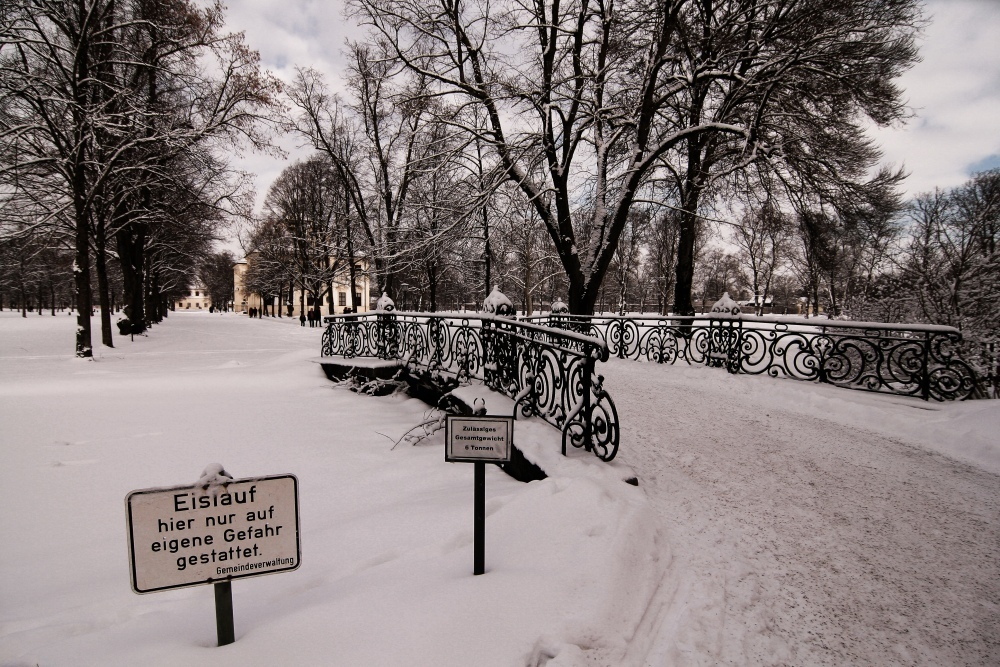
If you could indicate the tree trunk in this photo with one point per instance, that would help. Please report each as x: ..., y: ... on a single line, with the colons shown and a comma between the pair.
x: 487, y: 254
x: 622, y: 292
x: 131, y: 242
x: 153, y: 296
x: 432, y: 288
x: 355, y: 296
x: 81, y: 278
x: 685, y: 245
x: 100, y: 263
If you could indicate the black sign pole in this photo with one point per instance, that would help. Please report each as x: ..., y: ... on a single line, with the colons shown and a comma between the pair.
x: 479, y: 519
x: 224, y: 612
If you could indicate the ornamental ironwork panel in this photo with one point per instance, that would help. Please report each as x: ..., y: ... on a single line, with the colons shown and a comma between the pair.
x: 909, y: 360
x: 549, y: 372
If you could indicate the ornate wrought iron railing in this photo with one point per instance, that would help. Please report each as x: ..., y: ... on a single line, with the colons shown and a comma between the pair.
x: 910, y: 360
x: 548, y: 372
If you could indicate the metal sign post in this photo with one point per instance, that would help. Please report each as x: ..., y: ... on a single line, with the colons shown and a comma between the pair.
x: 478, y: 440
x: 224, y: 627
x: 479, y: 520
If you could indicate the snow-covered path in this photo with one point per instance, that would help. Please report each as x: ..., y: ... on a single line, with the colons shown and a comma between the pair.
x: 806, y: 539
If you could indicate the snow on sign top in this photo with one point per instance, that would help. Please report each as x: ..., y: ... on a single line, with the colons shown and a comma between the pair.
x: 471, y: 439
x: 215, y: 530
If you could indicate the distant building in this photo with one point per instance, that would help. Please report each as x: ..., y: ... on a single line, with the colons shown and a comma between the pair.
x: 194, y: 298
x: 756, y: 302
x: 334, y: 300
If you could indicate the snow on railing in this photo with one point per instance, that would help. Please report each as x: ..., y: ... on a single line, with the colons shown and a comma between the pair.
x: 910, y: 360
x: 549, y: 372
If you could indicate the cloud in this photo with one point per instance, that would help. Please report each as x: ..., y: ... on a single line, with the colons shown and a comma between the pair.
x: 290, y: 33
x: 955, y: 95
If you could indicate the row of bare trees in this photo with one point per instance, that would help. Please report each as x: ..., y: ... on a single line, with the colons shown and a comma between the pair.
x: 930, y: 260
x: 579, y: 149
x: 588, y: 109
x: 300, y: 242
x: 114, y: 117
x: 466, y: 133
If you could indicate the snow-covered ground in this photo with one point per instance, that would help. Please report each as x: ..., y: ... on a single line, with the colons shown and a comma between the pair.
x: 812, y: 525
x: 776, y: 522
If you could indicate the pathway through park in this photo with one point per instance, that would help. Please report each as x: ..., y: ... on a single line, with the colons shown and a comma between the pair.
x: 802, y: 540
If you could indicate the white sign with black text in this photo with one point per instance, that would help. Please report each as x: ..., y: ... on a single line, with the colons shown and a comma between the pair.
x: 190, y: 535
x: 485, y: 439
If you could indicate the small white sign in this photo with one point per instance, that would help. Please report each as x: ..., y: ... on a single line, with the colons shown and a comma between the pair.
x: 475, y: 439
x: 190, y: 535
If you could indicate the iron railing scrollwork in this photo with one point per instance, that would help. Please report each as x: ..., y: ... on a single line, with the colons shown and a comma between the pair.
x: 549, y: 373
x: 910, y: 360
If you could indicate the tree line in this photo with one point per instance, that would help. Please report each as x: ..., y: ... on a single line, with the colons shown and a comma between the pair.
x: 115, y: 117
x: 579, y: 140
x: 614, y: 155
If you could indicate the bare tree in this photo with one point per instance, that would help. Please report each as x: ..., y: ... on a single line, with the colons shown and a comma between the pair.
x: 216, y: 274
x: 762, y: 237
x: 100, y: 98
x: 270, y: 258
x: 951, y: 263
x: 718, y: 272
x: 587, y: 100
x: 661, y: 237
x: 370, y: 140
x: 304, y: 200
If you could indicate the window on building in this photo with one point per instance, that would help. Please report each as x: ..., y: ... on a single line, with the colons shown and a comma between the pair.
x: 197, y: 293
x: 342, y: 299
x: 357, y: 297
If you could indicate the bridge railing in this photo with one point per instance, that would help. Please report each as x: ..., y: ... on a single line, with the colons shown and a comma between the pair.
x: 909, y: 360
x: 550, y: 373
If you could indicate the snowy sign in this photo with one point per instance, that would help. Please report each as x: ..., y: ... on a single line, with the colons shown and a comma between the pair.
x: 204, y: 534
x: 478, y: 439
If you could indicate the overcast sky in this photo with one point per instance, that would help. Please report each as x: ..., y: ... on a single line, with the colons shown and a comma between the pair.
x: 954, y: 92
